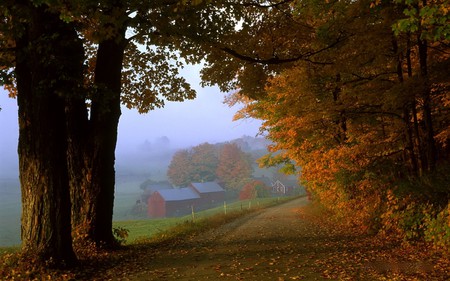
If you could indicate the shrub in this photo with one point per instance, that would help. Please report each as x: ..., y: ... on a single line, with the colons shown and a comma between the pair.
x: 254, y: 189
x: 121, y: 234
x: 437, y: 230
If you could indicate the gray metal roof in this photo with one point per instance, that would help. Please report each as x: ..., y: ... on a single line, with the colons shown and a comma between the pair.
x: 206, y: 187
x: 178, y: 194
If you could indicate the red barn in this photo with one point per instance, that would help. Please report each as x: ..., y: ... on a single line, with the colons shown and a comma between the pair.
x: 211, y: 193
x: 172, y: 202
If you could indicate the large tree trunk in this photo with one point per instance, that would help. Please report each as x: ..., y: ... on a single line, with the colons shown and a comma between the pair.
x: 79, y: 131
x: 105, y: 120
x: 409, y: 155
x: 48, y: 68
x: 430, y: 152
x: 93, y: 188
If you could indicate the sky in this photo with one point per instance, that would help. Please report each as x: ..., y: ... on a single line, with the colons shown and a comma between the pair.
x: 188, y: 123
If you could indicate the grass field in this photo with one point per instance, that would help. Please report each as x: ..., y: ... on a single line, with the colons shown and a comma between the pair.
x: 10, y: 208
x: 126, y: 195
x: 149, y: 228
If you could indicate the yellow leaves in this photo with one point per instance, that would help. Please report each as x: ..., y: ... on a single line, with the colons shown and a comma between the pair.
x: 375, y: 3
x: 11, y: 89
x: 444, y: 9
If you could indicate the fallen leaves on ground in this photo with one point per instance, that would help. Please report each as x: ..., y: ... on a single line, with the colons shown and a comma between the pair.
x: 287, y: 242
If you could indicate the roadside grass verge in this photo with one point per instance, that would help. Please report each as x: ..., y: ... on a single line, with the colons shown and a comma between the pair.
x: 144, y: 235
x: 9, y: 250
x: 154, y: 230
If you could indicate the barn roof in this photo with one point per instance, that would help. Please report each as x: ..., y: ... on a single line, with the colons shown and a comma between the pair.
x: 206, y: 187
x: 178, y: 194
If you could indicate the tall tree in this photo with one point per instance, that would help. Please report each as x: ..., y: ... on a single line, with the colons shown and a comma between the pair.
x: 198, y: 164
x: 204, y: 162
x: 234, y: 168
x: 93, y: 139
x: 91, y: 136
x: 149, y: 66
x: 48, y: 68
x: 180, y: 168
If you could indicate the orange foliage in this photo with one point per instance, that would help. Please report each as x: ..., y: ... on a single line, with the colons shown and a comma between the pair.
x: 234, y: 168
x: 253, y: 190
x: 359, y: 127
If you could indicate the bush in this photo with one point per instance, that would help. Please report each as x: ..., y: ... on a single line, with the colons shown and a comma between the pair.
x: 437, y: 229
x: 403, y: 217
x: 254, y: 189
x: 121, y: 234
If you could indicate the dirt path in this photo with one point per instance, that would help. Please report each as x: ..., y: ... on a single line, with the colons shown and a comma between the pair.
x: 261, y: 246
x: 280, y: 243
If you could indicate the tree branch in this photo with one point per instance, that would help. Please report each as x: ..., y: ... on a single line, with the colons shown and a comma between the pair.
x: 273, y: 60
x: 276, y: 60
x: 271, y: 5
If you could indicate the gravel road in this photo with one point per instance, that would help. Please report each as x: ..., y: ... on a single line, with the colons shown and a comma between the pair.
x: 267, y: 245
x: 284, y: 242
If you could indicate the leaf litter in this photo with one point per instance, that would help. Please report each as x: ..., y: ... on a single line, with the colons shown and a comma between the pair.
x: 285, y: 242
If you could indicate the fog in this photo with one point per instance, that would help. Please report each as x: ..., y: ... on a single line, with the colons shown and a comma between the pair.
x: 144, y: 147
x: 184, y: 124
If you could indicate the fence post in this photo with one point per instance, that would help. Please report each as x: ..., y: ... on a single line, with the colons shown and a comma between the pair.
x: 249, y: 204
x: 193, y: 213
x: 225, y: 207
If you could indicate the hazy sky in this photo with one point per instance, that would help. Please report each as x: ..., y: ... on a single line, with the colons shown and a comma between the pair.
x: 205, y: 119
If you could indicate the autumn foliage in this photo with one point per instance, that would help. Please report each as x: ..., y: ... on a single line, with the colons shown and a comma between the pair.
x: 254, y: 189
x: 234, y: 169
x: 364, y: 113
x: 227, y: 164
x: 195, y: 165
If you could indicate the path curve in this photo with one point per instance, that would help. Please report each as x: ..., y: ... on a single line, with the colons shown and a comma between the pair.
x: 284, y: 242
x: 263, y: 246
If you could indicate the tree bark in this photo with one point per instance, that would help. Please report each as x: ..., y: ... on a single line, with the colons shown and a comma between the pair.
x: 430, y: 146
x: 418, y: 147
x: 409, y: 154
x: 341, y: 119
x: 48, y: 68
x: 105, y: 119
x: 92, y: 157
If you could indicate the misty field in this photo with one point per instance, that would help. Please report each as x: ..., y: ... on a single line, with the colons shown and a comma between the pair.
x: 127, y: 193
x: 150, y: 228
x: 10, y: 207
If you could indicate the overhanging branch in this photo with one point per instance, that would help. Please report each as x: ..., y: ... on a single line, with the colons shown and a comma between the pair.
x: 277, y: 60
x: 273, y: 60
x: 272, y: 4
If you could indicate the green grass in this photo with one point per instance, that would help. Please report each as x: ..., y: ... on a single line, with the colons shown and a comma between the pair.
x: 9, y: 250
x: 149, y: 229
x: 153, y: 229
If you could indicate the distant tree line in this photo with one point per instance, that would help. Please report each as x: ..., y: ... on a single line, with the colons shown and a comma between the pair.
x: 226, y: 163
